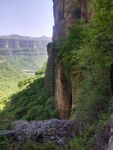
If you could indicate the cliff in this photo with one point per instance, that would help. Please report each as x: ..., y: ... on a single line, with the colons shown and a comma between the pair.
x: 23, y: 52
x: 79, y: 74
x: 82, y: 77
x: 23, y: 45
x: 66, y: 14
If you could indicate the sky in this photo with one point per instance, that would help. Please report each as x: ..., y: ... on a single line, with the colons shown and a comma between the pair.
x: 26, y: 17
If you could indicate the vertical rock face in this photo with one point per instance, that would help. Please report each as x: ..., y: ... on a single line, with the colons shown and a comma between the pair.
x: 49, y: 70
x: 63, y: 93
x: 64, y: 17
x: 59, y: 27
x: 66, y: 14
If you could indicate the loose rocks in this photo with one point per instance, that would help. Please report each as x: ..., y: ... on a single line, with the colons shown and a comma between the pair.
x: 53, y: 131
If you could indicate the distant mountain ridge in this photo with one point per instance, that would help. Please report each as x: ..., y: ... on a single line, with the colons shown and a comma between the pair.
x: 23, y: 45
x: 15, y: 41
x: 28, y: 53
x: 17, y: 36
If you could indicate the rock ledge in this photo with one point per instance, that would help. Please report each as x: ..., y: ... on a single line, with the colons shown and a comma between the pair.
x: 53, y: 131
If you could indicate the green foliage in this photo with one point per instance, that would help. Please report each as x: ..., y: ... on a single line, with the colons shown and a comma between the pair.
x: 32, y: 102
x: 38, y: 74
x: 87, y: 57
x: 12, y: 71
x: 27, y: 62
x: 41, y: 71
x: 9, y: 77
x: 86, y: 53
x: 5, y: 144
x: 26, y: 82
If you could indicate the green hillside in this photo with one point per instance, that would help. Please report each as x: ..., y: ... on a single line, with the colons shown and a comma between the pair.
x: 18, y: 61
x: 27, y: 62
x: 31, y: 102
x: 12, y: 70
x: 10, y: 75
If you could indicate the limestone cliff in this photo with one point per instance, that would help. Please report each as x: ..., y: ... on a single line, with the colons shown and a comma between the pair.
x: 23, y: 45
x: 66, y: 14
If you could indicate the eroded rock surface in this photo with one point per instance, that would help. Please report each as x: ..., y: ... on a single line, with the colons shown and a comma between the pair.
x: 53, y: 131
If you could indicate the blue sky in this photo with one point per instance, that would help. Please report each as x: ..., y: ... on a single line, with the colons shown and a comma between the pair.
x: 26, y: 17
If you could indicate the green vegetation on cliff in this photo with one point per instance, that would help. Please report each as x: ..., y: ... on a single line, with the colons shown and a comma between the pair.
x: 87, y: 55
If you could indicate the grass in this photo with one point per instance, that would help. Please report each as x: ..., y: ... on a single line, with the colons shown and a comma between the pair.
x: 31, y: 102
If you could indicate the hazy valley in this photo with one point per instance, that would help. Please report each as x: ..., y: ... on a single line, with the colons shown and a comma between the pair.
x: 20, y: 57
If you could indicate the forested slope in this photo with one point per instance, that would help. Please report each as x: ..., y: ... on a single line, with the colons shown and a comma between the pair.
x: 31, y: 102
